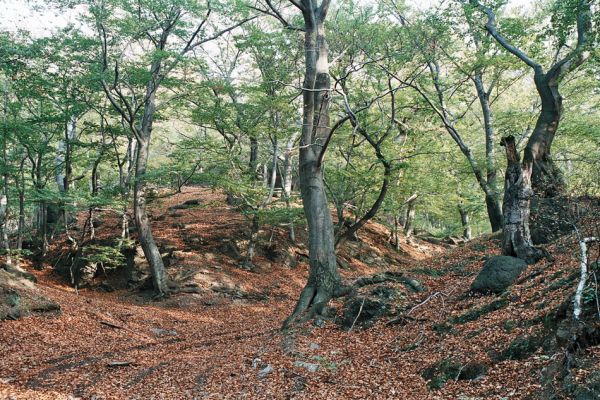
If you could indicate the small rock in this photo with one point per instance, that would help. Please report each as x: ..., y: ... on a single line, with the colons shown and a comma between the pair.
x: 314, y: 346
x: 163, y: 332
x: 307, y: 366
x: 114, y: 364
x: 265, y: 371
x: 319, y: 322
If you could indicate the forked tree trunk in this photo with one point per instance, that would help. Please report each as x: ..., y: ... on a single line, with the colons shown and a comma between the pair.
x: 145, y: 236
x: 547, y: 180
x: 323, y: 280
x: 517, y: 198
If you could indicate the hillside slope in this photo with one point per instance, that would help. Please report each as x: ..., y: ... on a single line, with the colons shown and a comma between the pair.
x: 223, y: 341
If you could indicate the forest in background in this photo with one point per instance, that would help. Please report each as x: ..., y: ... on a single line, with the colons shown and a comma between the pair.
x: 320, y: 122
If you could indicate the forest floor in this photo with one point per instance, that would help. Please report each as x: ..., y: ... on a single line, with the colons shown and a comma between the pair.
x: 224, y: 342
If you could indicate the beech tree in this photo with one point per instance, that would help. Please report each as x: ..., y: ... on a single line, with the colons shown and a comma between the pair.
x: 546, y: 177
x: 537, y: 172
x: 166, y: 32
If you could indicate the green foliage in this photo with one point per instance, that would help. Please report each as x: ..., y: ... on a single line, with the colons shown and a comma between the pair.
x: 109, y: 257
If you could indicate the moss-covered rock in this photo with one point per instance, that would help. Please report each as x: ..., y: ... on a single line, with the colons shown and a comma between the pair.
x: 498, y: 273
x: 19, y: 297
x: 521, y: 348
x: 442, y: 371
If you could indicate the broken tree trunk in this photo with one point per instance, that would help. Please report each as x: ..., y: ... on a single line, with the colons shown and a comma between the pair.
x: 517, y: 199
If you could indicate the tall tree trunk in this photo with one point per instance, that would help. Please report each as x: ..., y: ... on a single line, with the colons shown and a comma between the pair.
x: 517, y: 198
x: 323, y: 279
x: 492, y: 196
x: 144, y: 135
x: 145, y: 236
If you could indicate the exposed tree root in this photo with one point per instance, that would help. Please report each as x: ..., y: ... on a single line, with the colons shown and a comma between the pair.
x: 313, y: 300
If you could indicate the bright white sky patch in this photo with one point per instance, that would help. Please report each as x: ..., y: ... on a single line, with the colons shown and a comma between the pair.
x: 36, y: 17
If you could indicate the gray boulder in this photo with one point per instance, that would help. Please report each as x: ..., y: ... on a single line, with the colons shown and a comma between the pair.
x: 498, y: 273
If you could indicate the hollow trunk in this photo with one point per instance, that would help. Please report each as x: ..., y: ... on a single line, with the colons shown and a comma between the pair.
x: 323, y: 279
x: 517, y: 199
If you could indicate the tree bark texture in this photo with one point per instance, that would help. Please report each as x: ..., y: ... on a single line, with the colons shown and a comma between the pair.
x: 516, y: 240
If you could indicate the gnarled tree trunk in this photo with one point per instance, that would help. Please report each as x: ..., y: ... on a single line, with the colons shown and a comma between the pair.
x: 517, y: 198
x: 547, y: 180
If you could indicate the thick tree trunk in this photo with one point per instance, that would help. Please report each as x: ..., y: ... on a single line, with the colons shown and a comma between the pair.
x: 323, y: 280
x: 517, y: 198
x: 546, y: 178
